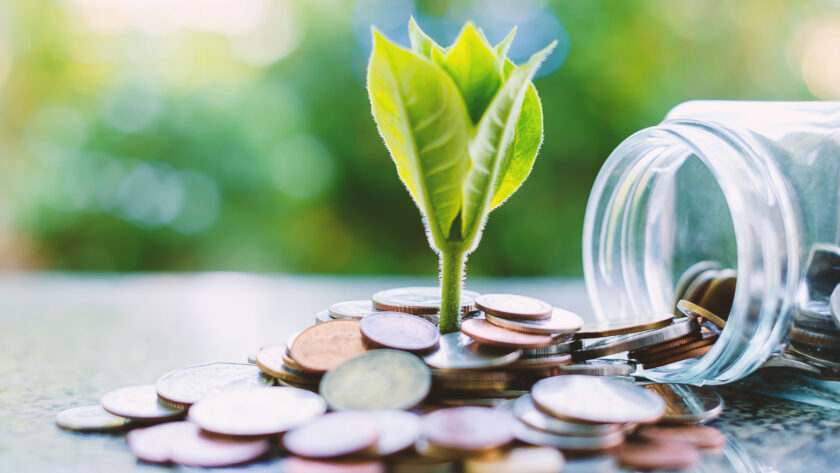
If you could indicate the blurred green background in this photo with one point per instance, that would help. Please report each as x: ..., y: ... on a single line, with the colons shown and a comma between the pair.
x: 236, y: 134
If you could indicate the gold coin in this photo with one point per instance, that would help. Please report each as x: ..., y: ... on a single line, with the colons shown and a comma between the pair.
x: 624, y: 326
x: 688, y: 276
x: 691, y: 309
x: 720, y: 294
x: 322, y: 346
x: 685, y: 355
x: 646, y: 357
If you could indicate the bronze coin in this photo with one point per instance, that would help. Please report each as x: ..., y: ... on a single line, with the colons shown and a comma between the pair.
x: 468, y: 429
x: 649, y: 455
x: 322, y: 346
x: 623, y: 326
x: 698, y: 286
x: 486, y: 333
x: 691, y: 309
x: 333, y: 435
x: 720, y: 294
x: 700, y: 436
x: 670, y: 345
x: 303, y: 465
x: 815, y: 339
x: 513, y: 306
x: 684, y: 346
x: 689, y: 275
x: 677, y: 357
x: 399, y: 331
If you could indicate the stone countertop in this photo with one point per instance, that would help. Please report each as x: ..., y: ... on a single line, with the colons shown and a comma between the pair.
x: 65, y: 339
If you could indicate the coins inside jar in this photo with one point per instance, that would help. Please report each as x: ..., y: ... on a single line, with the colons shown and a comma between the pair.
x: 625, y: 326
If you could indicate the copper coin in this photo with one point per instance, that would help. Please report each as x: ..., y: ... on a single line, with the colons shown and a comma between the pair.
x: 272, y: 360
x: 700, y: 436
x: 815, y: 339
x: 698, y: 286
x: 303, y: 465
x: 691, y: 309
x: 689, y: 275
x: 671, y: 345
x: 191, y: 447
x: 399, y: 331
x: 419, y: 300
x: 649, y: 455
x: 333, y: 435
x: 139, y: 403
x: 651, y: 356
x: 624, y: 326
x: 513, y: 306
x: 687, y: 404
x: 486, y: 333
x: 685, y: 355
x: 560, y: 322
x: 720, y: 294
x: 468, y: 429
x: 325, y: 345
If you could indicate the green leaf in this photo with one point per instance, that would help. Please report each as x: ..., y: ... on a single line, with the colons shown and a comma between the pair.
x: 423, y: 120
x: 423, y: 44
x: 503, y: 47
x: 490, y: 151
x: 526, y: 143
x: 473, y: 65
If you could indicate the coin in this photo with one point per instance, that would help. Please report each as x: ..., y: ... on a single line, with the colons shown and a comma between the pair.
x: 649, y: 455
x: 486, y: 333
x: 332, y: 435
x: 542, y: 362
x: 526, y: 434
x: 457, y: 351
x: 398, y: 430
x: 378, y: 379
x: 525, y: 410
x: 325, y: 345
x: 467, y: 429
x: 691, y: 309
x: 90, y: 419
x: 601, y: 367
x: 691, y: 340
x: 256, y: 411
x: 597, y: 399
x: 646, y: 356
x: 418, y: 300
x: 513, y: 306
x: 815, y: 339
x: 553, y: 349
x: 520, y: 459
x: 154, y: 444
x: 698, y: 286
x: 816, y: 315
x: 720, y: 294
x: 323, y: 316
x: 591, y: 349
x: 687, y: 404
x: 304, y: 465
x: 185, y: 386
x: 139, y: 403
x: 353, y: 310
x: 834, y: 305
x: 675, y: 357
x: 689, y: 275
x: 399, y: 331
x: 272, y: 360
x: 700, y: 436
x: 191, y: 447
x: 472, y: 380
x: 623, y: 326
x: 557, y: 323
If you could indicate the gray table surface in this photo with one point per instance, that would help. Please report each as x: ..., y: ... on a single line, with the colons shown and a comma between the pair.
x: 66, y: 339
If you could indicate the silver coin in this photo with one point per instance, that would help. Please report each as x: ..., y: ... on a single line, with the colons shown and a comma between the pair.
x: 260, y: 411
x: 687, y: 404
x: 526, y: 434
x: 195, y: 448
x: 139, y: 403
x: 513, y: 306
x: 816, y: 315
x: 606, y: 346
x: 323, y: 316
x: 822, y: 270
x: 554, y: 349
x: 418, y: 300
x: 398, y: 430
x: 597, y: 399
x: 90, y: 419
x: 186, y: 386
x: 559, y: 322
x: 457, y: 351
x: 333, y: 435
x: 542, y: 362
x: 835, y: 305
x: 353, y: 310
x: 154, y: 444
x: 525, y: 410
x: 602, y: 367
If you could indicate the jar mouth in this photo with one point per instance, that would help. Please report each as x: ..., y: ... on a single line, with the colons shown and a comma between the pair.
x: 635, y: 246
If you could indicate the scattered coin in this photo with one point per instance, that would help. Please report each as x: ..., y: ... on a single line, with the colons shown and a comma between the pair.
x: 557, y: 323
x: 816, y: 315
x: 698, y: 286
x: 398, y: 430
x: 532, y: 436
x: 624, y: 326
x: 412, y: 463
x: 303, y: 465
x: 323, y: 316
x: 457, y: 351
x: 399, y: 331
x: 486, y: 333
x: 591, y: 349
x: 418, y: 300
x: 467, y: 429
x: 687, y: 404
x: 720, y: 294
x: 325, y: 345
x: 333, y: 435
x: 260, y: 411
x: 90, y: 419
x: 657, y: 455
x: 691, y: 309
x: 553, y: 349
x: 353, y: 310
x: 271, y: 359
x: 601, y: 367
x: 191, y: 447
x: 512, y: 306
x: 186, y: 386
x: 689, y: 275
x: 139, y: 403
x: 814, y: 338
x: 675, y: 357
x: 518, y: 460
x: 700, y: 436
x: 378, y: 379
x: 834, y: 305
x: 653, y: 356
x: 543, y: 362
x: 692, y: 340
x: 154, y: 444
x: 525, y: 410
x: 473, y: 380
x: 597, y: 399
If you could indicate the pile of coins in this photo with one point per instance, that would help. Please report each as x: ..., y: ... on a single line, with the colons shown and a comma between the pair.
x: 373, y: 386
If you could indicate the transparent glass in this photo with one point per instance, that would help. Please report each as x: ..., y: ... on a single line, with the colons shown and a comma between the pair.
x: 752, y: 185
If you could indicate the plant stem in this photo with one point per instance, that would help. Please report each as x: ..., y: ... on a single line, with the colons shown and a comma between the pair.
x: 452, y: 263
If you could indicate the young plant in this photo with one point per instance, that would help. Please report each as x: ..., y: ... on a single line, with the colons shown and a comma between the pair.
x: 463, y: 125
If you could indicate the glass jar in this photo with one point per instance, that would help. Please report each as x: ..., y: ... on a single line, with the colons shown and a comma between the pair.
x: 753, y: 186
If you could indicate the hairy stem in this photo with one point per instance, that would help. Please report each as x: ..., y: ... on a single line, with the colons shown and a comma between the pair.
x: 452, y: 264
